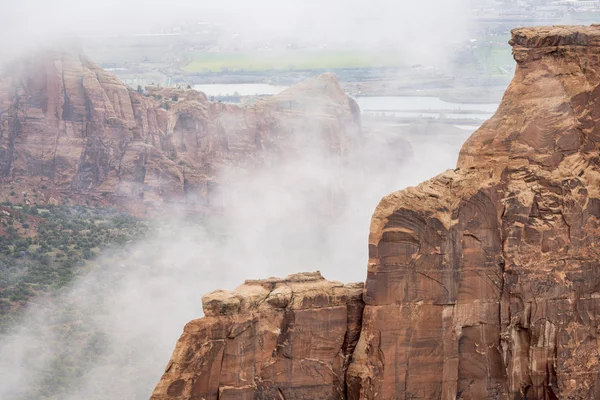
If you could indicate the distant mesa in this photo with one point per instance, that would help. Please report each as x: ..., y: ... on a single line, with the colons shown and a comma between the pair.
x: 76, y: 129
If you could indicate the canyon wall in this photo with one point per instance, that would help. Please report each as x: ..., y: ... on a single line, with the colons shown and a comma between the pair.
x: 483, y: 282
x: 70, y: 131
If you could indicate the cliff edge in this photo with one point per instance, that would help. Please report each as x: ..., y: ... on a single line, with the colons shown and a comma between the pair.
x: 269, y: 339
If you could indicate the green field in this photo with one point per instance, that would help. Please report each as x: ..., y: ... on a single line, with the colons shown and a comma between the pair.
x: 290, y: 60
x: 492, y: 56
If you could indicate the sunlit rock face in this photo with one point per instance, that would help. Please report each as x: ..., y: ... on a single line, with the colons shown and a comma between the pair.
x: 286, y: 338
x: 483, y: 282
x: 76, y: 130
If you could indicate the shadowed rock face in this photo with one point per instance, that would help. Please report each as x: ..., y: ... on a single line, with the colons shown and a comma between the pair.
x: 76, y: 129
x: 484, y: 282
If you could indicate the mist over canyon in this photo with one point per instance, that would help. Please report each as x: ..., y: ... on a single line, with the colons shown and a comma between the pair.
x: 229, y: 191
x: 331, y: 240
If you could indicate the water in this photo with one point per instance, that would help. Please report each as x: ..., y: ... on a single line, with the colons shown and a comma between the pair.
x: 407, y: 103
x: 427, y: 116
x: 386, y: 106
x: 242, y: 89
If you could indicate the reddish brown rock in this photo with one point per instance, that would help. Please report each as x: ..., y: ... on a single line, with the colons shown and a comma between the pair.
x: 484, y: 282
x: 75, y: 129
x: 286, y: 338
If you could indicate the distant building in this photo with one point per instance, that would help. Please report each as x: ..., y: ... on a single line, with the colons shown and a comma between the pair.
x: 557, y: 11
x: 580, y: 5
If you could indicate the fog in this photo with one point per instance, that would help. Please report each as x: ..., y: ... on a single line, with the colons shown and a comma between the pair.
x: 115, y: 328
x: 113, y: 332
x: 420, y: 30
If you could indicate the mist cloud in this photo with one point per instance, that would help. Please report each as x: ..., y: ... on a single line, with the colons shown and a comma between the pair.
x: 422, y: 31
x: 112, y: 333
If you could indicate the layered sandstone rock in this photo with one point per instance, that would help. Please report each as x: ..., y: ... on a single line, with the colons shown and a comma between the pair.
x: 73, y: 128
x: 483, y: 283
x: 286, y: 338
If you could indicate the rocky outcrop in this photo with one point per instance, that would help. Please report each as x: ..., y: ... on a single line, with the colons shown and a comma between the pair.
x: 75, y: 129
x: 286, y: 338
x: 484, y: 282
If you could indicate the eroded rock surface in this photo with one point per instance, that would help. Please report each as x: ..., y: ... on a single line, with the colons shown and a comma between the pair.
x: 277, y: 338
x: 484, y: 282
x: 69, y: 129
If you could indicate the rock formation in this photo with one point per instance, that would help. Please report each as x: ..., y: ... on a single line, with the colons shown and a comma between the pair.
x: 268, y: 339
x: 484, y: 282
x: 74, y: 129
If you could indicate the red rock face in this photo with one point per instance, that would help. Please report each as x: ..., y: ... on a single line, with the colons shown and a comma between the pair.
x: 270, y: 339
x: 483, y: 283
x: 70, y: 126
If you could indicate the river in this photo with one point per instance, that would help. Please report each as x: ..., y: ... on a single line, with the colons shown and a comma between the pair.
x: 401, y: 107
x: 239, y: 89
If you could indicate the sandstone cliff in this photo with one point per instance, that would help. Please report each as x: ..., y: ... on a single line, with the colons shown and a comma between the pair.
x: 69, y: 129
x: 270, y: 339
x: 483, y: 283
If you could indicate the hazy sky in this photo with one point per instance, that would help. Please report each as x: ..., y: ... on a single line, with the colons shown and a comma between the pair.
x: 422, y: 29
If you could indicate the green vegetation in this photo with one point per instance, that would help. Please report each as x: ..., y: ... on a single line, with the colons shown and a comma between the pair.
x: 43, y: 249
x: 71, y: 330
x: 495, y: 55
x: 292, y: 59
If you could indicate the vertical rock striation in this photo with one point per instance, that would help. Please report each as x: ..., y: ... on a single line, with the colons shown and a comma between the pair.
x: 483, y: 282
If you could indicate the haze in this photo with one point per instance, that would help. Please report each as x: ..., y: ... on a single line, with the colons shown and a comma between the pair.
x: 422, y: 30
